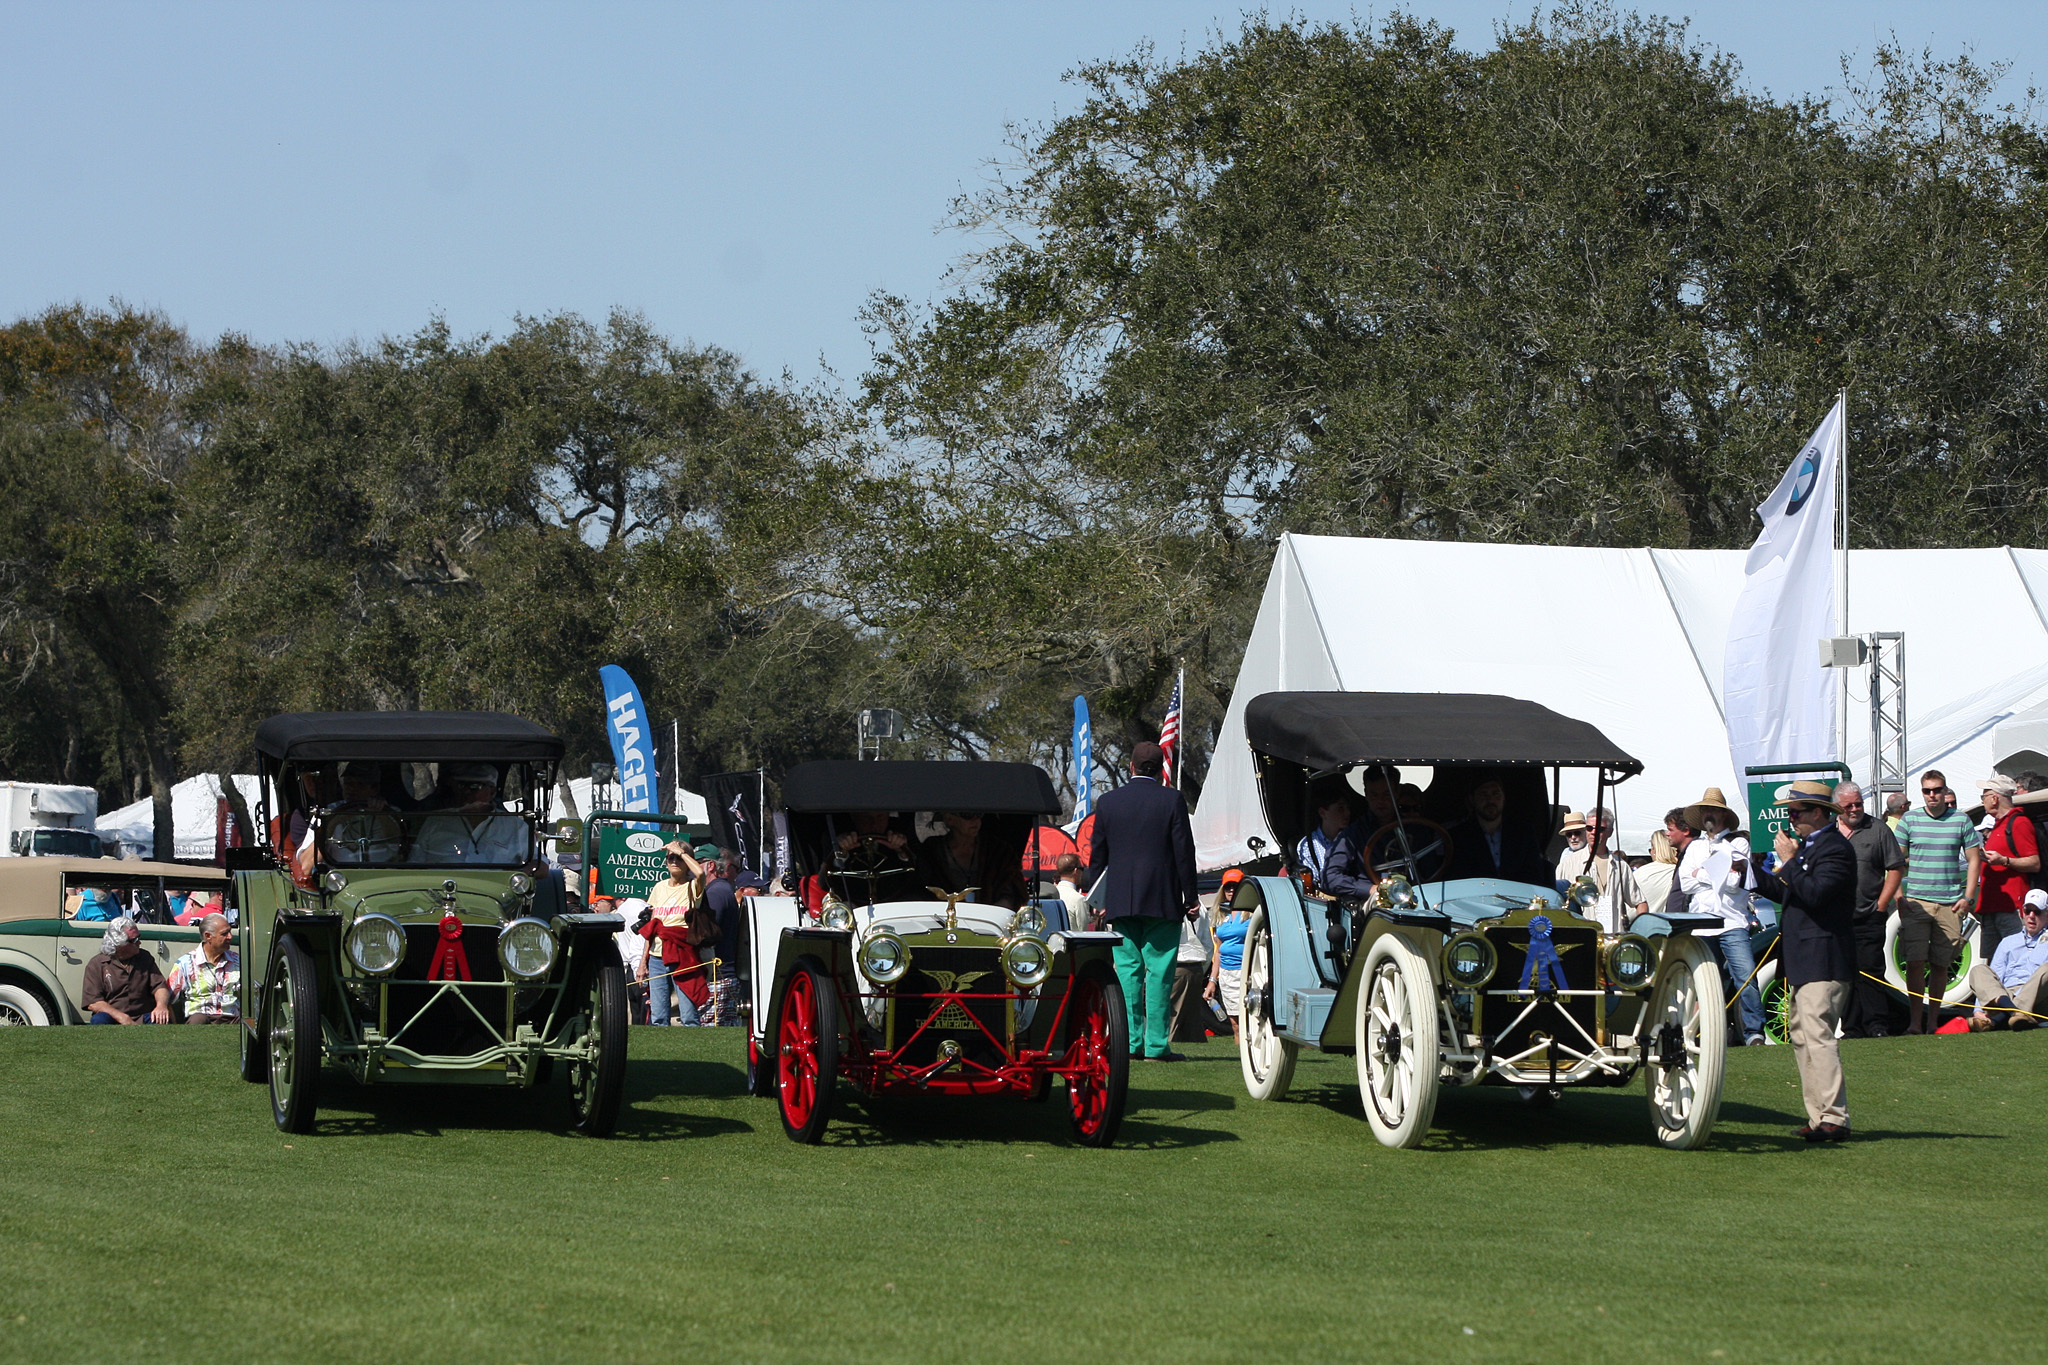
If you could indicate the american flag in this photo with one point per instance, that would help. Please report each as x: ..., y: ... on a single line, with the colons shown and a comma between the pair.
x: 1169, y: 736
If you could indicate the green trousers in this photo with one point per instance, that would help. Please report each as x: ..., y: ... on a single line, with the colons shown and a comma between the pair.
x: 1144, y: 967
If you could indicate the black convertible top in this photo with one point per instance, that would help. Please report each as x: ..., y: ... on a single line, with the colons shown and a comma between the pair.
x: 392, y: 736
x: 900, y: 785
x: 1325, y: 730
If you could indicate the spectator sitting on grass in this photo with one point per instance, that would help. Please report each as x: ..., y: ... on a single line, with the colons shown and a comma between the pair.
x: 2013, y: 984
x: 209, y: 978
x: 122, y: 985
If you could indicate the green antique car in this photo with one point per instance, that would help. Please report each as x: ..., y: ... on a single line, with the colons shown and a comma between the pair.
x: 399, y: 921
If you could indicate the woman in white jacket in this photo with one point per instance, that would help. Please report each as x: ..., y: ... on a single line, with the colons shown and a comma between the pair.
x: 1714, y: 875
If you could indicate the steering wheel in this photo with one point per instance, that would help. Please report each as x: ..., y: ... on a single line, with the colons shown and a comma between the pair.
x: 1430, y: 842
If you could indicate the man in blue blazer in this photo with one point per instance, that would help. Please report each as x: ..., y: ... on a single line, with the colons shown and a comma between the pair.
x: 1144, y: 854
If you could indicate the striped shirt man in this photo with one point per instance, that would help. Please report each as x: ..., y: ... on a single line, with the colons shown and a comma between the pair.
x: 1934, y: 847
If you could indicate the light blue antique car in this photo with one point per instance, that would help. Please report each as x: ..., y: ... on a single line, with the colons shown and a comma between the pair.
x: 1441, y: 978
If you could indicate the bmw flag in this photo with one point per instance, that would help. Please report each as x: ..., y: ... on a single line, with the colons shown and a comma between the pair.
x: 625, y: 718
x: 1084, y: 761
x: 1779, y: 701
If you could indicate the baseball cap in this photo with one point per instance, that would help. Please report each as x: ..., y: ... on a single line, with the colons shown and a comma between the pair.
x: 2037, y: 899
x: 2000, y: 783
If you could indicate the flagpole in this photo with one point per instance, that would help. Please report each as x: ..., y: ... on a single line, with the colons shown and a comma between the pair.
x: 1842, y: 571
x: 1180, y: 739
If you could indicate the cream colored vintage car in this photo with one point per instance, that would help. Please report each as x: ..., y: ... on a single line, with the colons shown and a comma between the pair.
x: 43, y: 949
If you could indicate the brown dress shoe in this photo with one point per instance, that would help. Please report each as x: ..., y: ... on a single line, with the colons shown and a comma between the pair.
x: 1830, y: 1132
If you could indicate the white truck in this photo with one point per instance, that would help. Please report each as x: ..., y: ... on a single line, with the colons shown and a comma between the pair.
x: 43, y: 819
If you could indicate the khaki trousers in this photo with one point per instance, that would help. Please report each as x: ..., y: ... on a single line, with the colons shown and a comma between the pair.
x: 2030, y: 996
x: 1816, y: 1007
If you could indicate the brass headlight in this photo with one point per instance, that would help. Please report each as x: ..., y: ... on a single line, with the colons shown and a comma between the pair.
x: 376, y: 944
x: 1584, y: 898
x: 1469, y: 960
x: 1395, y: 893
x: 1631, y: 961
x: 1029, y: 919
x: 1027, y: 961
x: 884, y: 958
x: 835, y: 914
x: 526, y: 948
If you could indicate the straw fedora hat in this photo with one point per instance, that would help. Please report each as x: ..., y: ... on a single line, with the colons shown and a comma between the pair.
x: 1574, y: 822
x: 1712, y: 800
x: 1808, y: 792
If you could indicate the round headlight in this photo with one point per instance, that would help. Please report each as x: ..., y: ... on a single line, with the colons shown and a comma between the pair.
x: 1583, y: 897
x: 1631, y: 962
x: 1026, y: 961
x: 1397, y: 893
x: 835, y: 915
x: 1469, y: 960
x: 334, y: 881
x: 526, y: 948
x: 376, y: 944
x: 521, y: 884
x: 1029, y: 919
x: 884, y: 958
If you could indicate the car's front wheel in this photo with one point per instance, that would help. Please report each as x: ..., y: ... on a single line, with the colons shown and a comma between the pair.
x: 1266, y: 1058
x: 598, y: 1082
x: 292, y: 1026
x: 806, y: 1061
x: 1685, y: 1044
x: 1101, y: 1055
x: 1399, y: 1047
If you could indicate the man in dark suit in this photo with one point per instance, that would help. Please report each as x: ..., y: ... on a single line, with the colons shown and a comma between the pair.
x: 1488, y: 844
x: 1815, y: 884
x: 1144, y: 852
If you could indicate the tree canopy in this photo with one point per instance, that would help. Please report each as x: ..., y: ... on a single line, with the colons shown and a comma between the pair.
x: 1578, y: 286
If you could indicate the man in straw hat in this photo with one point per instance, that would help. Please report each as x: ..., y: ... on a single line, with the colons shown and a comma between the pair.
x: 1815, y: 884
x: 1621, y: 900
x: 1711, y: 874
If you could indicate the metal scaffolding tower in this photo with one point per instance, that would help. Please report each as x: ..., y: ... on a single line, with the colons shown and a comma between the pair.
x: 1887, y: 661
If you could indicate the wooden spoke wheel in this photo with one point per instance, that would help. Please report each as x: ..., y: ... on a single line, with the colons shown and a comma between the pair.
x: 1265, y: 1058
x: 806, y: 1038
x: 1101, y: 1049
x: 598, y: 1083
x: 1426, y: 859
x: 1685, y: 1044
x: 1399, y: 1047
x: 292, y: 1029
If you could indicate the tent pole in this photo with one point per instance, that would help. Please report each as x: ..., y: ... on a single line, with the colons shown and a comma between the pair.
x: 1842, y: 571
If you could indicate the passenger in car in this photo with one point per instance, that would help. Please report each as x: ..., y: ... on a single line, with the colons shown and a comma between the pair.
x: 1487, y: 843
x: 1332, y: 797
x: 476, y: 831
x: 361, y: 827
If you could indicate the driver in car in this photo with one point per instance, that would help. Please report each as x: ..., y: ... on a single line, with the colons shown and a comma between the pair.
x: 475, y: 831
x: 361, y: 828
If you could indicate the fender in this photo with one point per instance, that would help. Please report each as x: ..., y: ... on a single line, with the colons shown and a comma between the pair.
x: 1339, y: 1033
x: 16, y: 963
x: 831, y: 947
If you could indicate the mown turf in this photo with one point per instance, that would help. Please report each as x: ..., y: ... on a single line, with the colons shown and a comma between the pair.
x: 149, y: 1211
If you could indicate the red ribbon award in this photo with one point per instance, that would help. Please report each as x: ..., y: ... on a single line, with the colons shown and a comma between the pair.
x: 450, y: 963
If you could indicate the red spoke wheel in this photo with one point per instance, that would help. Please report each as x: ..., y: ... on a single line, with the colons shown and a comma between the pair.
x: 806, y: 1039
x: 1101, y: 1053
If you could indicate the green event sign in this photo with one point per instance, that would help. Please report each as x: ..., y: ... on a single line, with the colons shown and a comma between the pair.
x: 629, y: 861
x: 1767, y: 814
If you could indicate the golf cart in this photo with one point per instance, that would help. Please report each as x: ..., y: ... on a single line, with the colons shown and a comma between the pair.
x: 1438, y: 980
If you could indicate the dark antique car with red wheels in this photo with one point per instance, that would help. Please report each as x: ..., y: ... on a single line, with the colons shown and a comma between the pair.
x: 916, y: 958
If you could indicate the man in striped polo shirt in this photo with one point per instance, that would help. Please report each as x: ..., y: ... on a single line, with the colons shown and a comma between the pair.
x: 1944, y: 856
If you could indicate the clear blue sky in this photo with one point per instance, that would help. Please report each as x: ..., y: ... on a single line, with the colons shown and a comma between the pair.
x: 744, y: 174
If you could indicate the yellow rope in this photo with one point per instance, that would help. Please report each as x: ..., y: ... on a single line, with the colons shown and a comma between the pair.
x: 2004, y: 1009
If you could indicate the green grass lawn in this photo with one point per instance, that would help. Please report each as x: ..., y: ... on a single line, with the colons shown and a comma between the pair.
x: 149, y: 1212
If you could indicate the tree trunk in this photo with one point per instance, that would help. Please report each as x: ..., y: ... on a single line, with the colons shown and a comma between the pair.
x: 238, y: 806
x: 161, y: 779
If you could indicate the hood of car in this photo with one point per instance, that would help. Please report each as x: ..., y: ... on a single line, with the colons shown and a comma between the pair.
x: 911, y: 918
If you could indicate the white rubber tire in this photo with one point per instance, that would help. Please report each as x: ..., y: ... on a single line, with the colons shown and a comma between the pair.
x: 1685, y: 1099
x: 1265, y: 1058
x: 21, y: 1006
x: 1400, y: 1049
x: 1958, y: 991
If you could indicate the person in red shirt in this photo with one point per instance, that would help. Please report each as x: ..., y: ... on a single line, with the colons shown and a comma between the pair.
x: 2012, y: 854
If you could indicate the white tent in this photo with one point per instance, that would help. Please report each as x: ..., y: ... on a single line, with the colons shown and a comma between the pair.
x: 688, y: 804
x: 1628, y: 640
x: 194, y: 813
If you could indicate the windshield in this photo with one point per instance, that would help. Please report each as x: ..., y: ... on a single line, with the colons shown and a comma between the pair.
x: 67, y: 843
x: 418, y: 814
